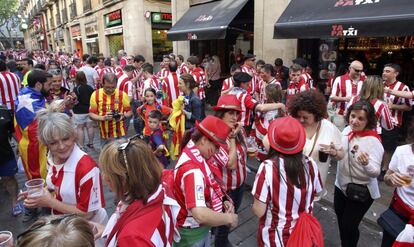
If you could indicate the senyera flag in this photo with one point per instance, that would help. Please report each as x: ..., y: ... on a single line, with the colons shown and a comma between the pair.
x: 33, y: 152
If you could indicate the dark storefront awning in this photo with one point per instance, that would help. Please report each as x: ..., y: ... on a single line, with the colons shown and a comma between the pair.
x: 206, y: 21
x: 346, y: 18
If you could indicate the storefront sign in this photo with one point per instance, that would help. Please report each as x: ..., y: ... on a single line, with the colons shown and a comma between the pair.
x: 91, y: 40
x: 91, y: 29
x: 161, y: 18
x: 341, y: 3
x: 339, y: 31
x: 114, y: 30
x: 204, y: 18
x: 75, y: 31
x: 113, y: 19
x: 191, y: 36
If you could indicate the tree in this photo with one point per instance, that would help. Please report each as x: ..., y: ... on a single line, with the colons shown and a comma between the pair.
x: 8, y: 19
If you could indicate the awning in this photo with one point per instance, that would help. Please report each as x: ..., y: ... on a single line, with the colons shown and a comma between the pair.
x: 206, y: 21
x: 346, y: 18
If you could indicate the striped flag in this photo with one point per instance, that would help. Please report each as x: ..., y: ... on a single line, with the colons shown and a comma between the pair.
x: 33, y: 153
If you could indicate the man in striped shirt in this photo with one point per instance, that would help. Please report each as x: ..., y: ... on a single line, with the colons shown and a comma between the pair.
x: 398, y: 106
x: 110, y: 106
x: 9, y: 87
x: 343, y: 89
x: 182, y: 67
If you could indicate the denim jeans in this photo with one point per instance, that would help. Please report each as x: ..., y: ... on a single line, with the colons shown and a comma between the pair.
x: 137, y: 120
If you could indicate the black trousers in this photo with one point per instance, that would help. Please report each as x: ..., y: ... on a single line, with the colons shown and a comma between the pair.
x: 221, y: 233
x: 213, y: 92
x: 349, y: 214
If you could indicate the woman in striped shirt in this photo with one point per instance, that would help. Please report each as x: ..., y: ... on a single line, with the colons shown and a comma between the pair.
x: 285, y: 184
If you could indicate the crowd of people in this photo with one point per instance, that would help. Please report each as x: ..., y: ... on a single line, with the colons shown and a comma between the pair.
x: 181, y: 176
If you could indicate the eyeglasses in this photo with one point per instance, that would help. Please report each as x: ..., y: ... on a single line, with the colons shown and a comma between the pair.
x: 54, y: 221
x: 124, y: 146
x: 358, y: 70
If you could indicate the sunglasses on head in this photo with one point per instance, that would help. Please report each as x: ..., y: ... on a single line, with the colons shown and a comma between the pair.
x: 125, y: 145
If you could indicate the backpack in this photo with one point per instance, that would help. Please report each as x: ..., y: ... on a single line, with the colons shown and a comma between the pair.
x: 307, y: 231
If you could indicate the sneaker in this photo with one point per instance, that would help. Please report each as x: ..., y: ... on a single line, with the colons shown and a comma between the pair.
x: 90, y: 146
x: 18, y: 209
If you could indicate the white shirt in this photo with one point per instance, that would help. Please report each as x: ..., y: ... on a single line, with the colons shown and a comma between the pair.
x: 360, y: 174
x: 328, y: 133
x: 403, y: 162
x: 90, y: 74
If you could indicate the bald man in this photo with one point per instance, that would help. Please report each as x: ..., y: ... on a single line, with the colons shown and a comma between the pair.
x: 345, y: 87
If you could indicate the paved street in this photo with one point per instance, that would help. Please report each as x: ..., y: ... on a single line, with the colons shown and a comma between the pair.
x: 245, y: 233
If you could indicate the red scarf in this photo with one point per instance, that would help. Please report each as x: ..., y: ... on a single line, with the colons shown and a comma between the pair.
x: 135, y: 210
x: 363, y: 133
x: 193, y: 153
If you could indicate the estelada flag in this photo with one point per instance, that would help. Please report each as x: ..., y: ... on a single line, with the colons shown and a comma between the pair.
x: 33, y: 153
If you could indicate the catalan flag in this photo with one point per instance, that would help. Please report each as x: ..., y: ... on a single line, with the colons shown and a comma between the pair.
x: 177, y: 123
x: 33, y: 153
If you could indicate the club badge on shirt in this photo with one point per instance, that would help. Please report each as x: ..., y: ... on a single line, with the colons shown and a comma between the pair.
x: 199, y: 192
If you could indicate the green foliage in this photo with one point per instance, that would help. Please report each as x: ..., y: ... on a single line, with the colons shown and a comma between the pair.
x: 8, y: 8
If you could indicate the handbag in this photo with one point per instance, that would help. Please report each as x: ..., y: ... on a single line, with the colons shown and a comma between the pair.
x: 391, y: 222
x: 356, y: 192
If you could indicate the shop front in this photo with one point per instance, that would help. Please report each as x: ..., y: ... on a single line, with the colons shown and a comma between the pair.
x: 114, y: 31
x: 77, y: 38
x: 160, y: 24
x: 92, y: 39
x: 333, y: 33
x: 217, y: 28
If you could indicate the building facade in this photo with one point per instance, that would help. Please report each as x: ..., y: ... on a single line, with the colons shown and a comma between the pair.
x: 264, y: 14
x: 99, y: 26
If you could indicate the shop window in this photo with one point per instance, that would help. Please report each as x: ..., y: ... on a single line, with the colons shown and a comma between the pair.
x: 161, y: 45
x: 116, y: 43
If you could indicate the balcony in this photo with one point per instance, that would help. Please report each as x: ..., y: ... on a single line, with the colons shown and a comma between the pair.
x: 87, y: 5
x: 73, y: 12
x: 64, y: 16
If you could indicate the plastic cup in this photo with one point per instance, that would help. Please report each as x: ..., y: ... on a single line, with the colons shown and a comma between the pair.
x: 35, y: 187
x: 323, y: 157
x: 407, y: 179
x: 6, y: 239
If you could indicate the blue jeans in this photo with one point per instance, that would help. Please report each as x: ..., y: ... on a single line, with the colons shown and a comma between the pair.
x: 222, y: 232
x: 137, y: 120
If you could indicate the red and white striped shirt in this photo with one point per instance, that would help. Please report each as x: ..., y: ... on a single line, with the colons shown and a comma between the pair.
x: 163, y: 73
x: 284, y: 200
x: 253, y: 83
x: 170, y: 87
x: 397, y: 114
x: 78, y: 182
x: 152, y: 82
x: 123, y: 62
x: 344, y: 86
x: 106, y: 70
x: 259, y: 130
x: 307, y: 79
x: 232, y: 178
x: 200, y: 78
x: 247, y: 104
x: 9, y: 89
x: 155, y: 228
x: 119, y: 71
x: 227, y: 84
x: 295, y: 88
x: 125, y: 85
x: 183, y: 69
x: 192, y: 186
x: 262, y: 89
x: 382, y: 112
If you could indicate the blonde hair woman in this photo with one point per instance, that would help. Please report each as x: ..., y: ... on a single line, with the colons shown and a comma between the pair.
x: 146, y: 214
x: 213, y: 72
x: 373, y: 91
x: 65, y: 230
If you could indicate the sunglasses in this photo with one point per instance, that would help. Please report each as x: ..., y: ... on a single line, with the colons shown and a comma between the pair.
x: 358, y: 70
x: 54, y: 221
x: 125, y: 145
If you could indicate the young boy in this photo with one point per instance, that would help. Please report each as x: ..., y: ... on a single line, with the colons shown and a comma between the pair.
x: 156, y: 140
